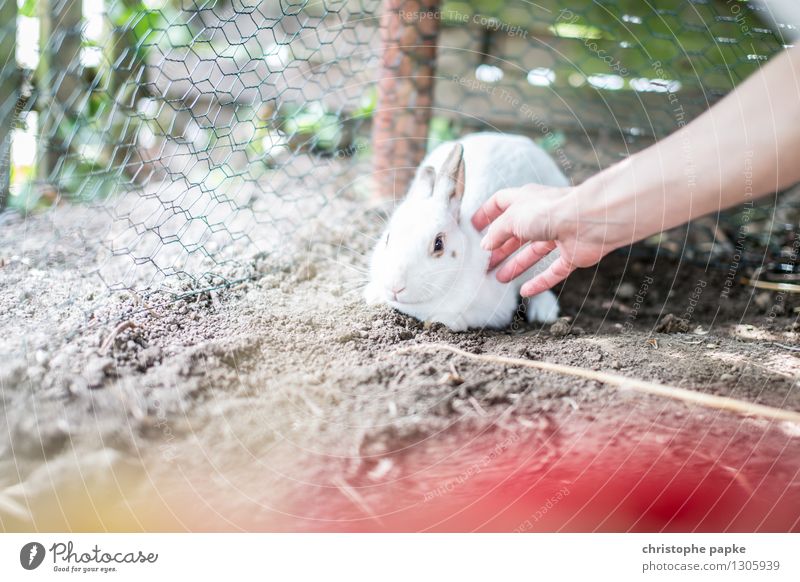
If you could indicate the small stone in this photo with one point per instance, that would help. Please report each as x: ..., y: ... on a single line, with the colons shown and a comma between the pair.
x: 348, y: 337
x: 149, y: 356
x: 763, y: 300
x: 626, y: 290
x: 77, y: 385
x: 96, y: 371
x: 672, y: 324
x: 451, y: 379
x: 306, y: 272
x: 561, y: 328
x: 42, y: 357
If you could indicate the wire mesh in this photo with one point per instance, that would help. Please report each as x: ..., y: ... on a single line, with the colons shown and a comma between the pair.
x: 205, y: 133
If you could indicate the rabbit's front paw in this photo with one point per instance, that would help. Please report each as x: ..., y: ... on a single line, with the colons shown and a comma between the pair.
x: 543, y: 308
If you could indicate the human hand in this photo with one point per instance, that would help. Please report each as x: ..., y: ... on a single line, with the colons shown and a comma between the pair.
x: 651, y: 191
x: 535, y: 220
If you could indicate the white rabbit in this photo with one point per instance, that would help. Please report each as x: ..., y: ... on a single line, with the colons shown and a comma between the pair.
x: 429, y: 263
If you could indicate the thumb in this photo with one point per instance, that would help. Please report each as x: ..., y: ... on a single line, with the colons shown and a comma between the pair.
x: 499, y: 232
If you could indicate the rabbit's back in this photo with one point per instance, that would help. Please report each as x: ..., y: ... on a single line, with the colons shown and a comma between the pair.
x: 494, y: 161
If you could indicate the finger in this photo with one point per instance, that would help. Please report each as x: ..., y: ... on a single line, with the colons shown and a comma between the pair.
x: 493, y: 208
x: 554, y: 274
x: 524, y: 260
x: 501, y: 254
x: 500, y: 231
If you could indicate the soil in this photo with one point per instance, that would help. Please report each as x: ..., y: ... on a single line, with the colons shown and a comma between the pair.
x: 285, y: 403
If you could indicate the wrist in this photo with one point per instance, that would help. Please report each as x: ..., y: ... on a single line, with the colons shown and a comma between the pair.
x: 611, y: 208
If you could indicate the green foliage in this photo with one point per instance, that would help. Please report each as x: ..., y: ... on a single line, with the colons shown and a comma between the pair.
x: 441, y: 130
x: 148, y: 27
x: 312, y: 125
x: 29, y: 198
x: 553, y: 141
x: 369, y: 101
x: 28, y: 8
x: 635, y: 34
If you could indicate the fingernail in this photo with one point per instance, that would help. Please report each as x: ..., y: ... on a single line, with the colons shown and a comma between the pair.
x: 485, y: 244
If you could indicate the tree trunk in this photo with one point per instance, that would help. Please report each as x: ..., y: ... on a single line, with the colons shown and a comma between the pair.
x: 409, y: 35
x: 59, y: 83
x: 9, y: 92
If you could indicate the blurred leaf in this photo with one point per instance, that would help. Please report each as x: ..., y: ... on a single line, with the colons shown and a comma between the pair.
x: 369, y: 101
x: 317, y: 128
x: 439, y: 132
x: 28, y: 9
x: 570, y: 30
x: 552, y: 141
x: 28, y: 198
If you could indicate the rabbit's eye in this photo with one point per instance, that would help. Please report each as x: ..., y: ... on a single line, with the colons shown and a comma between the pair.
x: 438, y: 245
x: 387, y: 239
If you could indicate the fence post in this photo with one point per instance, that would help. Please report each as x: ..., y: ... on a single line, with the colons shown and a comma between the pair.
x: 9, y: 92
x: 409, y: 36
x: 58, y: 80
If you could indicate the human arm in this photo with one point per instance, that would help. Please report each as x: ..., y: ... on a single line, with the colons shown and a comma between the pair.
x: 745, y: 146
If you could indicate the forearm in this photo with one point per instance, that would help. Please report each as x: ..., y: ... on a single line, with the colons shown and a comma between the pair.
x: 744, y: 147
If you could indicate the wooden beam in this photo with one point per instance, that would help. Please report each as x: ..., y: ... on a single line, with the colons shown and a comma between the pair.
x: 9, y: 92
x: 58, y: 79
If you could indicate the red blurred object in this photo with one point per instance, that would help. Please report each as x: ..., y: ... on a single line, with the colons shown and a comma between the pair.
x: 716, y: 473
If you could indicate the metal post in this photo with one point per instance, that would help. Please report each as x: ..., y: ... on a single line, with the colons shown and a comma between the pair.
x: 409, y: 36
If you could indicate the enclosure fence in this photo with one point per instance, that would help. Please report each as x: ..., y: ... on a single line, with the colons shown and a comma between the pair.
x: 203, y: 132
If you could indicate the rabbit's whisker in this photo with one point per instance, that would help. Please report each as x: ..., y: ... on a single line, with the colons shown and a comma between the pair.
x: 352, y: 268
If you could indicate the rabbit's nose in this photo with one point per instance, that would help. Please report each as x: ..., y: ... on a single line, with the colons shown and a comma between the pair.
x: 395, y: 290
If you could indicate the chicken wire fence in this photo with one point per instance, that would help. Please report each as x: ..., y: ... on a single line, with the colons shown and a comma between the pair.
x: 204, y: 134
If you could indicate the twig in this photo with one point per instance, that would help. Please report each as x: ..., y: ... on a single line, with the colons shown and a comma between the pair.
x: 707, y: 400
x: 13, y: 507
x: 114, y: 333
x: 769, y: 285
x: 476, y: 405
x: 785, y: 347
x: 740, y: 478
x: 315, y: 410
x: 355, y: 498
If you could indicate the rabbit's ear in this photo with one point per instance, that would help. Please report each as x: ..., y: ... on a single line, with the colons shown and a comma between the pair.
x: 450, y: 181
x: 422, y: 186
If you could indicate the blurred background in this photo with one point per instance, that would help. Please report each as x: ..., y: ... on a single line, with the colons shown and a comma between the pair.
x: 202, y: 129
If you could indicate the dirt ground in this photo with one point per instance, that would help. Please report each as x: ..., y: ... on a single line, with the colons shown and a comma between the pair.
x: 284, y: 403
